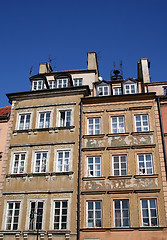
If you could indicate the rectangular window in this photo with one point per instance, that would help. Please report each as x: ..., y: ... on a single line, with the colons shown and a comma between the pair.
x: 12, y: 216
x: 119, y: 165
x: 65, y: 118
x: 62, y: 83
x: 141, y: 123
x: 52, y: 84
x: 36, y: 215
x: 149, y: 213
x: 94, y: 166
x: 24, y: 121
x: 40, y: 162
x: 44, y: 120
x: 103, y: 91
x: 77, y: 82
x: 117, y: 124
x: 165, y: 90
x: 117, y: 91
x: 19, y: 163
x: 145, y: 164
x: 37, y: 85
x: 121, y: 213
x: 63, y: 161
x: 94, y: 214
x: 130, y: 89
x: 94, y: 126
x: 60, y: 214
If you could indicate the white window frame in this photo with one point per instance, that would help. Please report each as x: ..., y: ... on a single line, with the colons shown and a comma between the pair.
x: 65, y: 119
x: 24, y: 123
x: 94, y: 164
x: 103, y: 91
x: 52, y: 84
x: 142, y: 123
x: 13, y: 210
x: 77, y: 82
x: 38, y: 82
x: 119, y: 129
x: 63, y: 84
x: 130, y: 88
x: 120, y: 167
x: 63, y: 160
x: 94, y: 126
x: 149, y: 212
x: 144, y: 170
x: 19, y: 162
x: 94, y: 214
x: 40, y: 166
x: 44, y: 121
x: 119, y: 91
x: 121, y: 211
x: 35, y: 214
x: 53, y: 210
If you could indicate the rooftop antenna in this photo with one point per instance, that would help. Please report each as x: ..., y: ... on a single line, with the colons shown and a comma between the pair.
x: 50, y: 60
x: 121, y: 68
x: 114, y: 66
x: 30, y: 71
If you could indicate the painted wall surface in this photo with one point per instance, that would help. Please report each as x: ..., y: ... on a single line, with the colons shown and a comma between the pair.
x: 3, y: 138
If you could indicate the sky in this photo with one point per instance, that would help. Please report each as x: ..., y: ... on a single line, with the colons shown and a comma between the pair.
x: 32, y: 31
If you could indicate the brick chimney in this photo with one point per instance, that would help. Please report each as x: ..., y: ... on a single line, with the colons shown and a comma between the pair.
x: 143, y: 70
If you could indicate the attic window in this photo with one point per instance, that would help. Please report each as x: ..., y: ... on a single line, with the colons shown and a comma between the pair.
x: 165, y: 90
x: 37, y: 85
x: 62, y: 83
x: 103, y: 91
x: 130, y: 88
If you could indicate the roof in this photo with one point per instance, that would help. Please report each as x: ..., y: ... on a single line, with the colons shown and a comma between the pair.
x: 4, y: 112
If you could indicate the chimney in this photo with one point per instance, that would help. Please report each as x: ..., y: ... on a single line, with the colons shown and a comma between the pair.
x: 45, y: 68
x: 143, y: 70
x: 92, y: 63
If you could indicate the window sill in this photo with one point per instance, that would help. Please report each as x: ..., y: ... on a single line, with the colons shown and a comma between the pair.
x: 117, y: 134
x: 39, y: 174
x: 59, y: 231
x: 93, y: 178
x: 120, y: 177
x: 142, y: 133
x: 94, y: 136
x: 146, y: 176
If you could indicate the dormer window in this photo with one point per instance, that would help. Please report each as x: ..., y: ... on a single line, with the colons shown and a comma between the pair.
x: 130, y: 88
x: 62, y: 83
x: 117, y: 91
x: 37, y: 85
x: 77, y: 82
x: 52, y: 84
x: 103, y: 90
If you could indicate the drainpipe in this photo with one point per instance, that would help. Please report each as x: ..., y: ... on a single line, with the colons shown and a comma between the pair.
x: 162, y: 133
x: 79, y: 175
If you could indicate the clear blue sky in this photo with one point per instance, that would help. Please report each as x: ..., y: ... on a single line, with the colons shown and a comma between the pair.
x: 33, y: 30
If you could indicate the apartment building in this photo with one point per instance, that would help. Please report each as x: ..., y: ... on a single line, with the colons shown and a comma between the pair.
x: 40, y: 191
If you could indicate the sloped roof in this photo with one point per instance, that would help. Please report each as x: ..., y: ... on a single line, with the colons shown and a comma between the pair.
x: 4, y: 111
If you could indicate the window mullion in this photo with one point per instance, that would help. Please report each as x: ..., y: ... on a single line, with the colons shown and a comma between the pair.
x: 149, y: 212
x: 61, y: 203
x: 93, y: 166
x: 121, y: 214
x: 94, y: 215
x: 94, y: 128
x: 13, y: 210
x: 119, y: 165
x: 63, y: 161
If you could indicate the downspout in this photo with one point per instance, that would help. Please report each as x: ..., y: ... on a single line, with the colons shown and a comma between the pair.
x: 79, y: 175
x: 162, y: 133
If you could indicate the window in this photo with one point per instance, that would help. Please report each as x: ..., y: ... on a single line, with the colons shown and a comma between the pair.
x: 77, y: 82
x: 24, y: 121
x: 52, y: 84
x: 12, y: 216
x: 44, y: 120
x: 121, y: 213
x: 60, y: 215
x: 103, y: 90
x: 63, y: 161
x: 117, y: 124
x: 94, y: 166
x: 145, y: 164
x: 37, y: 85
x: 62, y: 83
x: 19, y: 163
x: 119, y: 165
x: 142, y: 123
x: 130, y: 88
x: 94, y: 126
x: 94, y: 214
x: 165, y: 90
x: 40, y: 162
x: 117, y: 91
x: 149, y: 213
x: 36, y: 214
x: 65, y: 118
